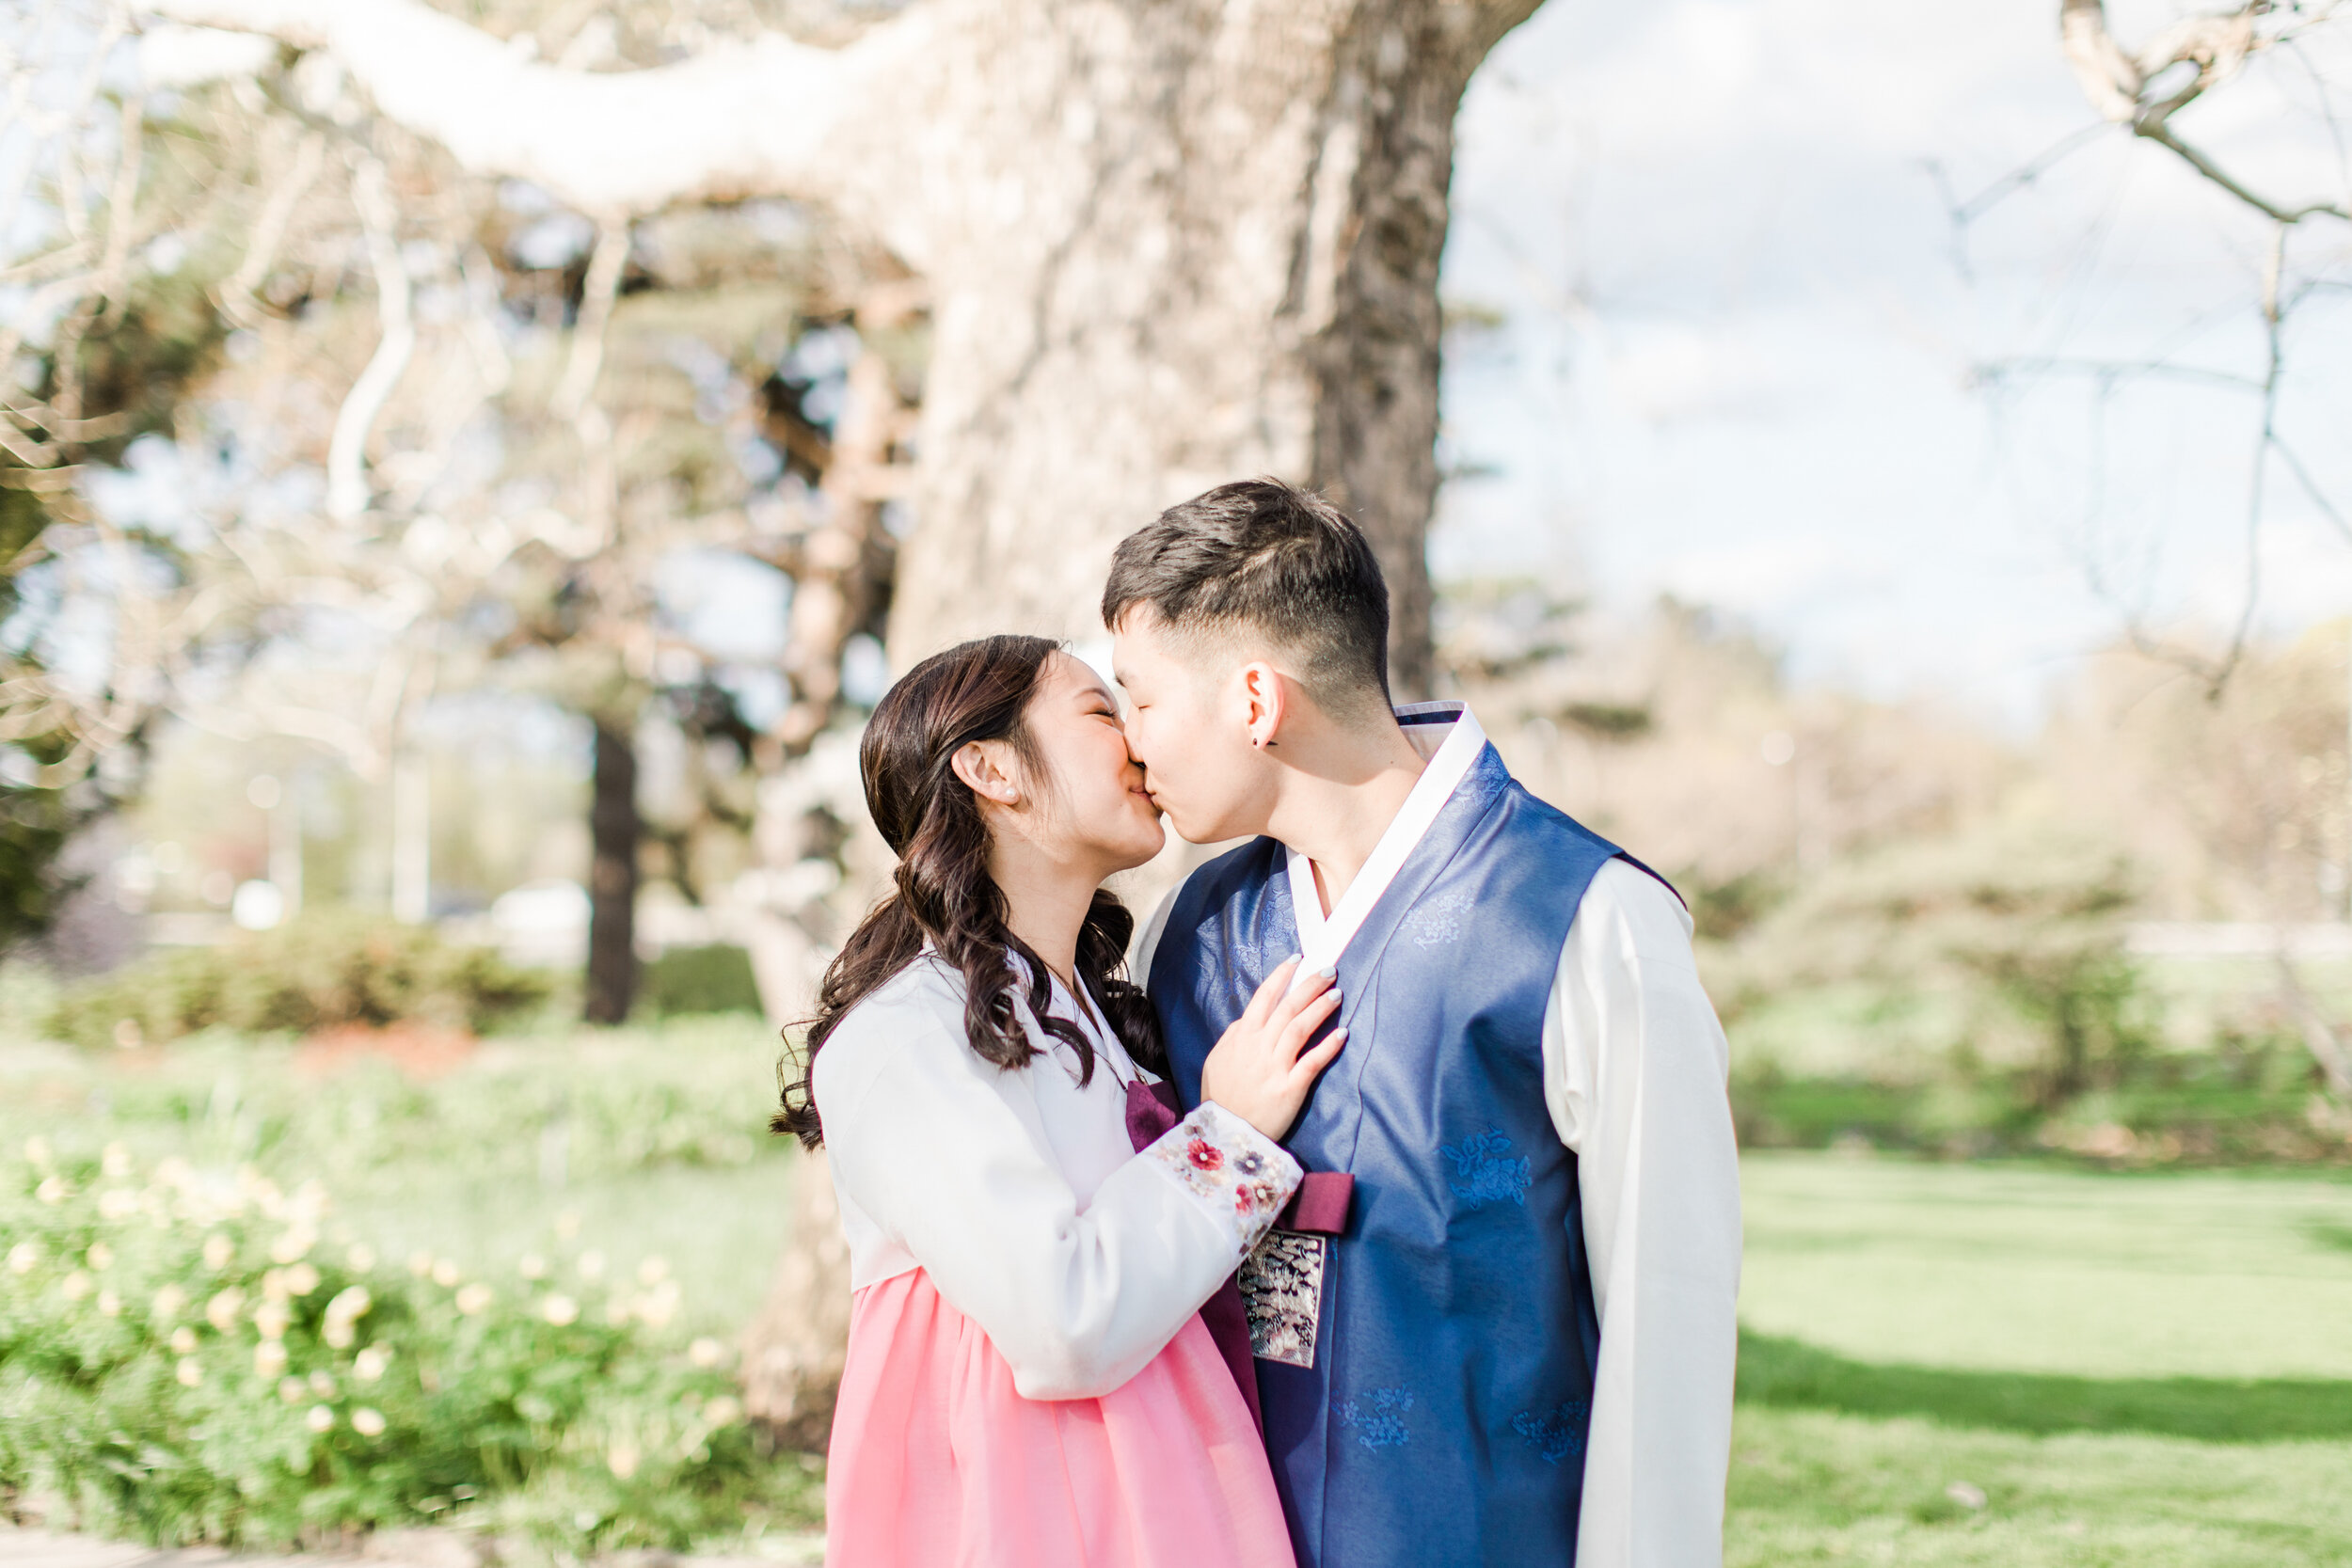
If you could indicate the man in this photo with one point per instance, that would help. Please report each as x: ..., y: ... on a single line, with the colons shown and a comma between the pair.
x: 1501, y: 1331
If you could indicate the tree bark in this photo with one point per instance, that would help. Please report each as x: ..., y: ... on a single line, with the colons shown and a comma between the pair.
x: 1193, y: 241
x: 793, y: 1350
x: 614, y: 830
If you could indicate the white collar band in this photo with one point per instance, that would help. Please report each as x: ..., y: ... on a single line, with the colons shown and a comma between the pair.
x: 1322, y: 941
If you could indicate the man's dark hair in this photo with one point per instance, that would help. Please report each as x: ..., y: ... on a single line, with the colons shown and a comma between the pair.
x: 1270, y: 558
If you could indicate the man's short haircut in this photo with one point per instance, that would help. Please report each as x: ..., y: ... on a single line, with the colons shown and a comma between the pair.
x: 1266, y: 557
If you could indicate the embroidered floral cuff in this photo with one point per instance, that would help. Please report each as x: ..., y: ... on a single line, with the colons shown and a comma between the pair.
x: 1244, y: 1177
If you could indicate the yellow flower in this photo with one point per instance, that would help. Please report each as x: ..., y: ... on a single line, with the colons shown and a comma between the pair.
x: 622, y: 1457
x: 218, y: 1250
x: 114, y: 1160
x: 653, y: 1270
x: 302, y: 1279
x: 76, y: 1286
x: 322, y: 1385
x: 224, y: 1307
x: 723, y: 1410
x: 109, y: 1304
x: 560, y: 1310
x: 292, y: 1390
x: 23, y: 1258
x: 370, y: 1363
x: 100, y: 1257
x: 591, y: 1265
x: 350, y: 1302
x: 706, y: 1351
x: 657, y: 1307
x: 367, y: 1422
x: 532, y: 1266
x: 167, y: 1303
x: 321, y: 1419
x: 188, y: 1372
x: 183, y: 1340
x: 53, y: 1189
x: 473, y: 1298
x: 117, y: 1203
x: 269, y: 1357
x: 37, y: 1151
x: 293, y: 1245
x: 445, y: 1273
x: 421, y: 1263
x: 272, y: 1318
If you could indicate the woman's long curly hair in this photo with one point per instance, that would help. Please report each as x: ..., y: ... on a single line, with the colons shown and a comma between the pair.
x: 944, y: 894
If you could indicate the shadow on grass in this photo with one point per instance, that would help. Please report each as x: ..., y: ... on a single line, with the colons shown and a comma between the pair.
x: 1788, y: 1372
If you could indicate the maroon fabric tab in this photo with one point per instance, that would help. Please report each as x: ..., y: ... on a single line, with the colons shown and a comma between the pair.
x: 1320, y: 1205
x: 1152, y: 1110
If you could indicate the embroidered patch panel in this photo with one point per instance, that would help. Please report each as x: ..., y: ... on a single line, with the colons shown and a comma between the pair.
x: 1483, y: 1171
x: 1441, y: 920
x: 1282, y: 1286
x: 1377, y: 1416
x: 1553, y: 1435
x: 1234, y: 1176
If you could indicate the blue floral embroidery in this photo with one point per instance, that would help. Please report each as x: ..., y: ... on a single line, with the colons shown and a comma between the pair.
x: 1378, y: 1419
x: 1440, y: 921
x: 1556, y: 1436
x: 1484, y: 1174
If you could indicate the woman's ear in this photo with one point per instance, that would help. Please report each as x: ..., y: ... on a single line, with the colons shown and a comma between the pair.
x: 986, y: 766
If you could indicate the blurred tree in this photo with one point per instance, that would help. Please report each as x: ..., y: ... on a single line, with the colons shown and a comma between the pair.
x: 1128, y: 251
x: 1167, y: 242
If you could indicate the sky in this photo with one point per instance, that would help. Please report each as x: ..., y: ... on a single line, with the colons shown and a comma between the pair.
x: 1742, y: 344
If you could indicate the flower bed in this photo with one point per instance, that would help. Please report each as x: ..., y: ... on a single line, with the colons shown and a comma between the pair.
x: 190, y: 1356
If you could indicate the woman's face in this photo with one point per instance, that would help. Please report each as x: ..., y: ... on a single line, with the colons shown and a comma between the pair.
x: 1093, y: 807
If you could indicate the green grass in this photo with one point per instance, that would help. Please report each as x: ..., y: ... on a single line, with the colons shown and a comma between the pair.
x: 2152, y: 1370
x: 1809, y: 1486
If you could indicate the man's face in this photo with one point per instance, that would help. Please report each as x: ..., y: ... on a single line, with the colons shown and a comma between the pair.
x: 1188, y: 722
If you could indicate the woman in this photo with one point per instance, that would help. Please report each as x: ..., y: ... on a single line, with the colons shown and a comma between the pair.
x: 1029, y: 1381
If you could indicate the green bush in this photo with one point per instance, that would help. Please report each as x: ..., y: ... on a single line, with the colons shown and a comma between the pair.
x: 713, y: 979
x: 322, y: 971
x: 182, y: 1359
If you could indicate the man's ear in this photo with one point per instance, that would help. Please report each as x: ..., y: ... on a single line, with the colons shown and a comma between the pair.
x: 1267, y: 697
x: 986, y: 766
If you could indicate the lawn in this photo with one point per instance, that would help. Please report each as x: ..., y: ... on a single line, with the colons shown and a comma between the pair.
x: 2026, y: 1366
x: 1942, y: 1363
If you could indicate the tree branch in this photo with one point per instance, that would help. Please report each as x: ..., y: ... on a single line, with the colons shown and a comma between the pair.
x: 346, y: 454
x: 2118, y: 83
x: 772, y: 116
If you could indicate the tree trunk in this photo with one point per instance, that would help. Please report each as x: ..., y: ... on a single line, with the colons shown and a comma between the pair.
x: 1195, y: 242
x: 614, y: 831
x: 792, y: 1351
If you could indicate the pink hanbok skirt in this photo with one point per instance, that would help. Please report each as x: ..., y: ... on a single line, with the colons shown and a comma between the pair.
x: 937, y: 1463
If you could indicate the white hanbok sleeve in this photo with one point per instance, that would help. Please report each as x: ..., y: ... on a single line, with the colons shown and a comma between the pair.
x: 1634, y: 1071
x: 936, y: 1146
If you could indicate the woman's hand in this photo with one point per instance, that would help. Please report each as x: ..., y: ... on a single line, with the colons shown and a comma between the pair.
x: 1257, y: 1071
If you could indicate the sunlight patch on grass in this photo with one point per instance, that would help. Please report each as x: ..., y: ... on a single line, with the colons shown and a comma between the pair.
x: 1814, y: 1487
x: 2018, y: 1268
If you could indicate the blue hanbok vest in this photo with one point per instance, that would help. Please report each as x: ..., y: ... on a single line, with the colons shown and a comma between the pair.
x: 1428, y: 1409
